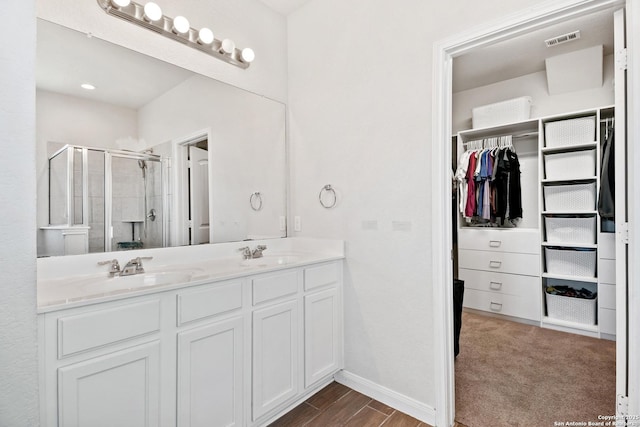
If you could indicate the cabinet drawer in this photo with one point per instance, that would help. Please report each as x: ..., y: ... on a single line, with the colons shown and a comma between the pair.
x: 93, y: 329
x: 500, y: 262
x: 607, y: 271
x: 508, y: 284
x: 321, y: 275
x: 519, y: 241
x: 274, y: 286
x: 209, y: 301
x: 509, y: 305
x: 607, y: 296
x: 607, y: 321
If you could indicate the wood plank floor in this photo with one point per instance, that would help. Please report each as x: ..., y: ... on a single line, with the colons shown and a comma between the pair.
x: 338, y: 405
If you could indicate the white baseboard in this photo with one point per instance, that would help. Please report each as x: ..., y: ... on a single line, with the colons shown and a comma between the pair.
x: 402, y: 403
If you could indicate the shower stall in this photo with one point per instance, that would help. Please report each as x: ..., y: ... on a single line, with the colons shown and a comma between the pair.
x: 104, y: 200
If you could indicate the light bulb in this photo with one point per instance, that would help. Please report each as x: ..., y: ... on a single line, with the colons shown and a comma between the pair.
x: 205, y: 36
x: 87, y: 86
x: 248, y: 55
x: 228, y: 46
x: 152, y: 12
x: 120, y: 3
x: 180, y: 25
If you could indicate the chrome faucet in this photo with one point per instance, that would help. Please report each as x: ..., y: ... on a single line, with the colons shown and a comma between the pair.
x: 257, y: 252
x: 114, y: 268
x: 134, y: 266
x: 247, y: 253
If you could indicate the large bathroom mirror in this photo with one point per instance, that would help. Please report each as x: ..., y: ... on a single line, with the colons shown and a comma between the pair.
x: 134, y: 152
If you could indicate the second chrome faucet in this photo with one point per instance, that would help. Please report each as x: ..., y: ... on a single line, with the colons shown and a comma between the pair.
x: 247, y: 253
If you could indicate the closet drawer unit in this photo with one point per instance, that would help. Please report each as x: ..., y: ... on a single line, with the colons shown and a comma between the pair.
x: 607, y: 271
x: 519, y: 241
x: 500, y: 262
x: 607, y: 321
x: 501, y: 283
x: 509, y: 305
x: 607, y: 296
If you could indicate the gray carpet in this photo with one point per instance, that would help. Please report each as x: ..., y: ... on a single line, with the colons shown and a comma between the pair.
x: 510, y: 374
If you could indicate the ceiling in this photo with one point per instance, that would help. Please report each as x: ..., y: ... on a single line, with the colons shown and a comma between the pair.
x: 67, y: 58
x: 526, y: 54
x: 285, y: 7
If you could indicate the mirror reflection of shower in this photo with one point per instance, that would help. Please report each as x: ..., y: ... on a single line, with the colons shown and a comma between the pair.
x: 105, y: 199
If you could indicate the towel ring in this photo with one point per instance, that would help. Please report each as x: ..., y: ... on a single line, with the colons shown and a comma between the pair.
x: 255, y: 200
x: 329, y: 189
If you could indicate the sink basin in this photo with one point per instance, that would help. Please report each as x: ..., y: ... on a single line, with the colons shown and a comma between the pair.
x: 138, y: 281
x: 270, y: 260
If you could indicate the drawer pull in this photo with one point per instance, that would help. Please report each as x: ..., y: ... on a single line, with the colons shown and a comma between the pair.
x: 495, y: 306
x: 496, y: 286
x: 495, y: 264
x: 495, y: 243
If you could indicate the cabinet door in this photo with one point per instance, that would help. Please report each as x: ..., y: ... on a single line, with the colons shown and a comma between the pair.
x: 322, y: 335
x: 119, y: 389
x: 275, y: 356
x: 210, y: 375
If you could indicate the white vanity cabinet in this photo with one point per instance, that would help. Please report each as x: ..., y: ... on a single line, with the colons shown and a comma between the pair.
x: 237, y: 352
x: 322, y: 322
x: 102, y: 365
x: 276, y: 327
x: 210, y: 349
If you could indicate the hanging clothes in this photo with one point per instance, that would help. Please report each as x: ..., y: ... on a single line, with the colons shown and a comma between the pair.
x: 515, y: 187
x: 606, y: 199
x: 461, y: 178
x: 470, y: 207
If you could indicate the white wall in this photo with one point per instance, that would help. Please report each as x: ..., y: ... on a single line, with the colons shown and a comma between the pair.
x: 534, y: 85
x: 18, y: 350
x: 360, y: 119
x: 248, y: 22
x: 67, y: 119
x: 246, y: 150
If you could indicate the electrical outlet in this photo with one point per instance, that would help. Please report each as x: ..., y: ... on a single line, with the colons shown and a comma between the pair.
x: 296, y: 223
x: 283, y: 223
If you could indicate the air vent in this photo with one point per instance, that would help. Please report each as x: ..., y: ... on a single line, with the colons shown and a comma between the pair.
x: 554, y: 41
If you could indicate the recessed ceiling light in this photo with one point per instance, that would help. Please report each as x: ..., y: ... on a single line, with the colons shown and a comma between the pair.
x: 87, y: 86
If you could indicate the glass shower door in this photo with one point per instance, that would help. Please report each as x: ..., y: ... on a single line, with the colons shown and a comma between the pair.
x: 136, y: 203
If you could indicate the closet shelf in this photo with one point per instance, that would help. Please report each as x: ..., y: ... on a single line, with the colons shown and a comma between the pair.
x: 569, y: 148
x: 573, y: 278
x: 585, y: 180
x: 590, y: 213
x: 546, y: 320
x: 570, y: 245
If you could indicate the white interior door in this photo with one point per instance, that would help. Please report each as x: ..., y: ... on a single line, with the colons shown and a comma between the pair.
x: 622, y: 240
x: 199, y: 195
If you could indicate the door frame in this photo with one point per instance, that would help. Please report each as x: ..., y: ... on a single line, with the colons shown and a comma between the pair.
x: 539, y: 16
x: 180, y: 183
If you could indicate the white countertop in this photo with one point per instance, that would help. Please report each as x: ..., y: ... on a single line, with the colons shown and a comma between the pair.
x: 171, y: 268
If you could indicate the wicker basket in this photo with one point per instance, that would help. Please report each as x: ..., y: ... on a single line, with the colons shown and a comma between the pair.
x: 570, y: 197
x: 574, y: 165
x: 571, y: 309
x: 509, y: 111
x: 570, y: 132
x: 570, y: 262
x: 570, y: 230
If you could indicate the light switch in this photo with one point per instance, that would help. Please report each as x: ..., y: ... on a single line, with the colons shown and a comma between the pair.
x: 296, y: 223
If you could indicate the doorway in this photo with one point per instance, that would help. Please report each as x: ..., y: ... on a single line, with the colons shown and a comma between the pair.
x: 444, y: 54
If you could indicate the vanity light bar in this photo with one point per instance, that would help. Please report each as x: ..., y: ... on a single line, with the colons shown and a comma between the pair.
x: 177, y: 29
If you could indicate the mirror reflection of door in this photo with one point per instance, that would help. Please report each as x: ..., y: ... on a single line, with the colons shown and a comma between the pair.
x: 198, y: 164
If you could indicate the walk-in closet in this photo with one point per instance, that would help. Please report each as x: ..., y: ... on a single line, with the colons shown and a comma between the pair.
x: 534, y: 238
